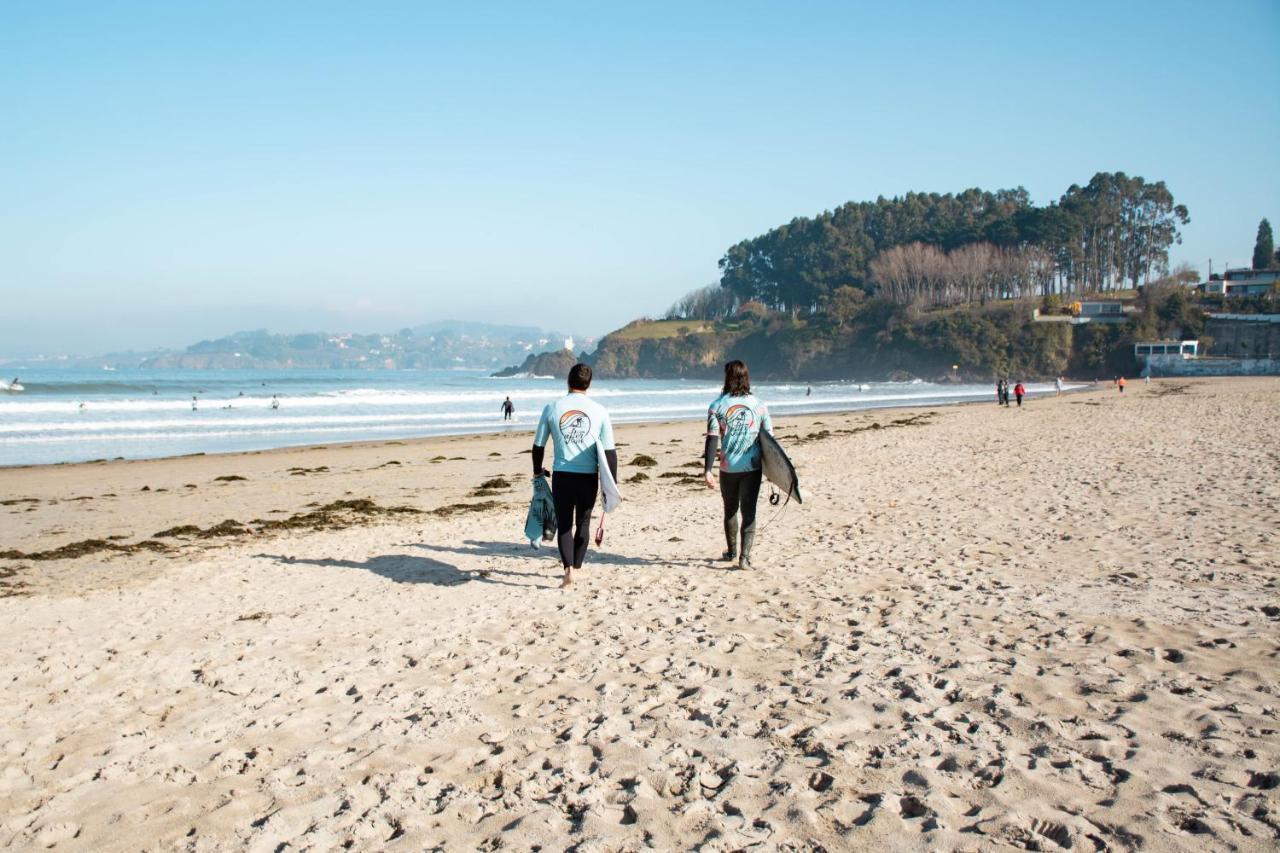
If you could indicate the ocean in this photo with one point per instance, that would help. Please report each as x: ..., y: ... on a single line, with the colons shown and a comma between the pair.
x: 80, y: 415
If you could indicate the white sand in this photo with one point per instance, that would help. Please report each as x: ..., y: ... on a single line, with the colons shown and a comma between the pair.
x: 1046, y: 628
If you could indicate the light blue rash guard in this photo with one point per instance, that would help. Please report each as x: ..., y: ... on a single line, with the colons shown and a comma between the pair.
x: 738, y: 422
x: 575, y: 424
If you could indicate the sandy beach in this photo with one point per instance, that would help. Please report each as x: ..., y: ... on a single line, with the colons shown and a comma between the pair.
x: 1053, y: 627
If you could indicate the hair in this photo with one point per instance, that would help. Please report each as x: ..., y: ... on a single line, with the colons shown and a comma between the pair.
x: 580, y: 377
x: 737, y: 380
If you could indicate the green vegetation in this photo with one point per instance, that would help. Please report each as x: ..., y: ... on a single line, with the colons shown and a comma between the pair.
x: 932, y: 249
x: 1264, y: 248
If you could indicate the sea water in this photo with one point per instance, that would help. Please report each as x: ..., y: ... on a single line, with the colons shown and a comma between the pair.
x: 79, y: 415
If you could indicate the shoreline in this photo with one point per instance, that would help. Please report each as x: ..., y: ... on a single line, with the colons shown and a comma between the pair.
x: 499, y: 432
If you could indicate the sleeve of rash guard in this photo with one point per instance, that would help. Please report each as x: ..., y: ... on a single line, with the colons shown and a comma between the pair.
x: 543, y: 432
x: 606, y: 433
x: 709, y: 453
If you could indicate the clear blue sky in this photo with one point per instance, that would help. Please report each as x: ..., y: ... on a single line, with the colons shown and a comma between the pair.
x: 171, y: 171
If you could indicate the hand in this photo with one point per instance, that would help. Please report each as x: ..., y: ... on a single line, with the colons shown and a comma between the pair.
x: 711, y: 480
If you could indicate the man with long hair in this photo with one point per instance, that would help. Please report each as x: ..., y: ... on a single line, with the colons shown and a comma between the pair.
x: 575, y: 424
x: 734, y: 421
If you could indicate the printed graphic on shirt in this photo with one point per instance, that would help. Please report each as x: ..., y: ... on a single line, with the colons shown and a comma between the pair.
x: 575, y: 427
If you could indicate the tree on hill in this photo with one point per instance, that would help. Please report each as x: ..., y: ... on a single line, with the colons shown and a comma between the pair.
x: 1264, y: 248
x: 1111, y: 233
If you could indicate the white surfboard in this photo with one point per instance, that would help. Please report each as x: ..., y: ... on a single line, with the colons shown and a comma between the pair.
x: 608, y: 486
x: 14, y: 386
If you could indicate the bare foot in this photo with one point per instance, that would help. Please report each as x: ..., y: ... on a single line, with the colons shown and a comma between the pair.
x: 568, y: 578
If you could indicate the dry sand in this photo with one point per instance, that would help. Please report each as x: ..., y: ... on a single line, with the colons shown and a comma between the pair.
x: 1045, y: 628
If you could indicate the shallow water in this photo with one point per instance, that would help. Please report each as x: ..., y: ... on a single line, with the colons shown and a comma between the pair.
x: 78, y: 415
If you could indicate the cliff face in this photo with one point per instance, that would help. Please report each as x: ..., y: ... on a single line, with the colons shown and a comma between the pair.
x: 891, y: 345
x: 884, y: 343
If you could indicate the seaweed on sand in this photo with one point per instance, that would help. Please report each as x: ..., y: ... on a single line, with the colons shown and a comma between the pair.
x: 450, y: 510
x: 84, y: 548
x: 643, y: 461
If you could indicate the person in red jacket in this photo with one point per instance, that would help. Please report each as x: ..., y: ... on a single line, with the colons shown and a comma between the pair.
x: 1019, y: 392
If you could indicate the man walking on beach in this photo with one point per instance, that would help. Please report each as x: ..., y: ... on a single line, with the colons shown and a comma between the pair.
x: 508, y: 409
x: 575, y: 424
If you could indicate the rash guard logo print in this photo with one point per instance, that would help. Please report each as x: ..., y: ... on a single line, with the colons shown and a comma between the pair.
x: 739, y: 418
x: 575, y: 426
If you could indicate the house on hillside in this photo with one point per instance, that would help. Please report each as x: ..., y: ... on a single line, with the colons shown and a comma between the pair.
x: 1243, y: 282
x: 1101, y: 312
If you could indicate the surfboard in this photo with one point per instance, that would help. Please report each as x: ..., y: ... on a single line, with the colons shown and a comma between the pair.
x: 5, y: 386
x: 778, y: 468
x: 608, y: 486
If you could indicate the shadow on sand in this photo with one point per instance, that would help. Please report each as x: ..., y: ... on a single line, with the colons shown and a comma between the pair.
x: 522, y: 551
x: 406, y: 568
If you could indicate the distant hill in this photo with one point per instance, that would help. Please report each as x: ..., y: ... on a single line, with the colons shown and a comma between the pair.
x: 438, y: 345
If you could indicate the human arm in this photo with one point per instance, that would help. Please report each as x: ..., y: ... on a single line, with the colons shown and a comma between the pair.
x: 611, y: 456
x: 540, y: 436
x: 709, y: 459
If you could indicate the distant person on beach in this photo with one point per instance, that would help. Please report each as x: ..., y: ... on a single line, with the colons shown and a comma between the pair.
x: 1120, y: 383
x: 508, y: 409
x: 735, y: 420
x: 808, y: 392
x: 193, y: 404
x: 1057, y: 386
x: 1019, y: 392
x: 275, y: 402
x: 574, y: 424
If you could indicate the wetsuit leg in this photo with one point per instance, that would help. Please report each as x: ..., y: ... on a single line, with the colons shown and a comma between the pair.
x: 575, y: 497
x: 731, y: 494
x: 750, y: 494
x: 582, y: 535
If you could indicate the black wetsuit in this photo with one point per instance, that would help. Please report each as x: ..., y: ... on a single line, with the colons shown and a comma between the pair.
x: 574, y: 495
x: 739, y: 492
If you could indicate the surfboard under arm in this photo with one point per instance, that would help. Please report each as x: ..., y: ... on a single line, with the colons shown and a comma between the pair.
x: 778, y: 468
x: 608, y: 486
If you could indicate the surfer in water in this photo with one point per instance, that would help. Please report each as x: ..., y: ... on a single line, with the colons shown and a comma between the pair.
x: 574, y: 424
x: 508, y: 409
x: 734, y: 421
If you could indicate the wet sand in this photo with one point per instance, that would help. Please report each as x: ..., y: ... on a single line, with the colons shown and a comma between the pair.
x: 1045, y: 628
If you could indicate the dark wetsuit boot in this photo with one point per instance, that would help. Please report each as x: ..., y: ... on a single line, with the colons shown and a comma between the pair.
x: 731, y: 538
x: 748, y: 539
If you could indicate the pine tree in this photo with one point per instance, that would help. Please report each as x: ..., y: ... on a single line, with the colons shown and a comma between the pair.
x: 1264, y: 249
